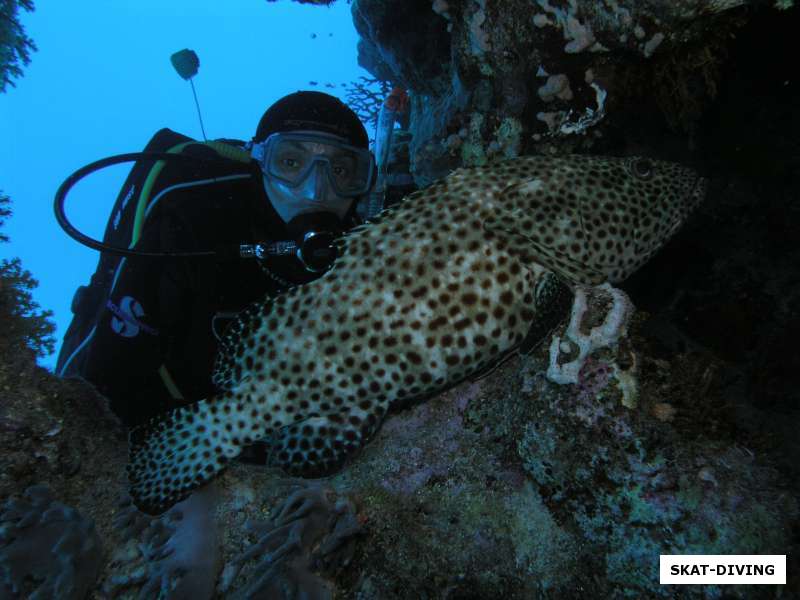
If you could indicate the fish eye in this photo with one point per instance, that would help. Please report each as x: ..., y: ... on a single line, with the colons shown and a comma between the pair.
x: 642, y: 167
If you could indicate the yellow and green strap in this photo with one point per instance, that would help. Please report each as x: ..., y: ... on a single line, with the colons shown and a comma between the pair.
x: 222, y: 149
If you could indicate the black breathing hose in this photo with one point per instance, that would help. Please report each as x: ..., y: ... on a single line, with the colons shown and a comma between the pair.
x: 80, y: 237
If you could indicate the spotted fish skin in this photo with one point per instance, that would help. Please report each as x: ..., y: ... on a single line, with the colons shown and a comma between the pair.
x: 437, y: 289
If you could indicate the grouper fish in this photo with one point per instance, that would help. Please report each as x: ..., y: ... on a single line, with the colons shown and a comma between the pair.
x: 436, y: 290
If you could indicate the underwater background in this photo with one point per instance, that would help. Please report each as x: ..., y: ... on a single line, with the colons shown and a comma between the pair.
x: 101, y: 83
x: 678, y: 438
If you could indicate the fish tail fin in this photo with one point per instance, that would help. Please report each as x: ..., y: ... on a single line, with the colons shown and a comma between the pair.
x: 173, y: 454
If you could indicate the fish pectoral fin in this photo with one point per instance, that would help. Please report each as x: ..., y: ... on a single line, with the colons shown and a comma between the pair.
x: 317, y: 446
x: 504, y: 225
x: 174, y: 454
x: 227, y: 372
x: 553, y: 300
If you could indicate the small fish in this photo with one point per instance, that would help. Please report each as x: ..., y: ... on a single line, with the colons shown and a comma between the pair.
x: 436, y: 290
x: 313, y: 83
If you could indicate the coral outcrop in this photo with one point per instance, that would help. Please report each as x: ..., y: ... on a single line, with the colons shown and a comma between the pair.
x: 521, y: 76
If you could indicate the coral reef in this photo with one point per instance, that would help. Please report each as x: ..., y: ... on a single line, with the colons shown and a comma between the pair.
x: 579, y: 344
x: 484, y: 61
x: 634, y: 486
x: 512, y: 486
x: 447, y: 507
x: 365, y: 97
x: 47, y: 549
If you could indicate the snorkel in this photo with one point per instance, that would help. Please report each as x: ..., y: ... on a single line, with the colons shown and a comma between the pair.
x: 393, y: 107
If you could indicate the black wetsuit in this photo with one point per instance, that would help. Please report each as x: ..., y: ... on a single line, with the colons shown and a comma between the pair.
x: 143, y: 330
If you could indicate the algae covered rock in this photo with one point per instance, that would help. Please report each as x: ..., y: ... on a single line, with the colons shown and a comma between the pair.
x: 47, y: 549
x: 659, y: 477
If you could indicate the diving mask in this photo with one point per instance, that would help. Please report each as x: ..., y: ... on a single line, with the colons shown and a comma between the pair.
x: 291, y: 158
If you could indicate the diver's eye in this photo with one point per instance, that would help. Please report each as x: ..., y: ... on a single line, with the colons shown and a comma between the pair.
x: 290, y: 163
x: 643, y: 168
x: 340, y: 172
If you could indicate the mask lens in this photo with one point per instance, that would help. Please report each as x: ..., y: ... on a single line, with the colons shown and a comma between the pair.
x: 290, y: 163
x: 291, y: 157
x: 350, y: 172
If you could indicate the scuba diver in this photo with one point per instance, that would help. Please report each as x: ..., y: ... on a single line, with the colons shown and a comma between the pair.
x: 145, y: 330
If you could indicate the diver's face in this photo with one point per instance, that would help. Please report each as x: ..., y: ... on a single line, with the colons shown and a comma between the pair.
x: 309, y: 171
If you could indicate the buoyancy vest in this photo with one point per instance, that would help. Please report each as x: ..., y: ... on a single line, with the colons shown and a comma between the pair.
x: 143, y: 330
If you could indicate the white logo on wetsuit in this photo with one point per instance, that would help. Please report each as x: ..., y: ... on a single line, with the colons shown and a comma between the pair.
x: 125, y: 321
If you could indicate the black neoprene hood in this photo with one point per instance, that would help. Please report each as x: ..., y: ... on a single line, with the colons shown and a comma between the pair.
x: 314, y: 111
